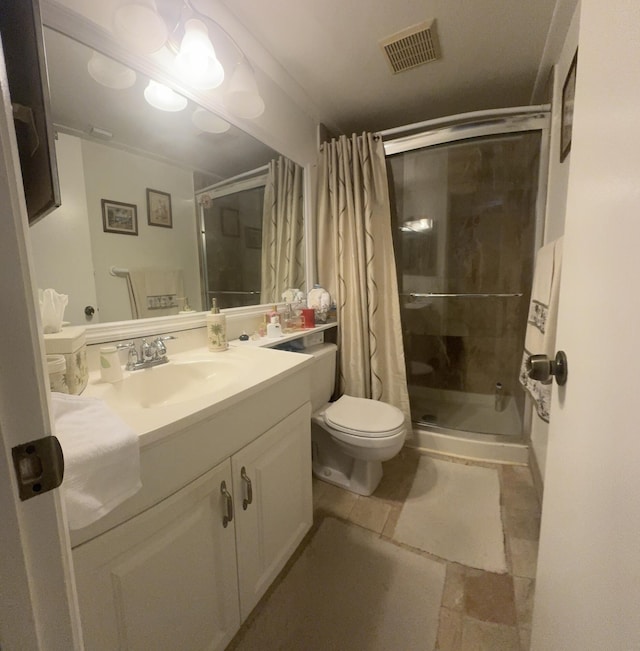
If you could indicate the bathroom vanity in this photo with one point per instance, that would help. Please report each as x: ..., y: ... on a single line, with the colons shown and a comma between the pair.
x: 226, y: 499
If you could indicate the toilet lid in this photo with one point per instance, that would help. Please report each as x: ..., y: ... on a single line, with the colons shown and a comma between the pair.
x: 371, y: 417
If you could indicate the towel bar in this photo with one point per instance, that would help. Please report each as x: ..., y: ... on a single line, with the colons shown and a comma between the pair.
x: 445, y: 295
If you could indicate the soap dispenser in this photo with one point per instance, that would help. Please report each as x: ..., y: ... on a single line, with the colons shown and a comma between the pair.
x: 216, y: 329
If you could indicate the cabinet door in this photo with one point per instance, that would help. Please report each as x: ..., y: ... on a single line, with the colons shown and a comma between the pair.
x: 269, y: 529
x: 166, y: 579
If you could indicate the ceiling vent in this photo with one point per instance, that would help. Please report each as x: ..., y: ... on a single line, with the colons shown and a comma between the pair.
x: 412, y: 47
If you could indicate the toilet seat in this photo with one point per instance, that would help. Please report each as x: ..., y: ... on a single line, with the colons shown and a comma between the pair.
x: 364, y: 418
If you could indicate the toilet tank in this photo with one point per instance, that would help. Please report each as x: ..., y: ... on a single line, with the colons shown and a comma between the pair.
x: 323, y: 373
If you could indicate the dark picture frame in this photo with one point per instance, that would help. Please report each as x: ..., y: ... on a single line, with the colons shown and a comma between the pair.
x: 230, y: 222
x: 568, y: 97
x: 118, y: 217
x: 159, y: 208
x: 252, y: 237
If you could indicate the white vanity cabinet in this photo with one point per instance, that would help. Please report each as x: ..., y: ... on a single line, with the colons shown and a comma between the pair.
x: 271, y: 526
x: 174, y: 577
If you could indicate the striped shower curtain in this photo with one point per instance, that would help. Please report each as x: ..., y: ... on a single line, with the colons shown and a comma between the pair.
x: 282, y: 231
x: 356, y: 264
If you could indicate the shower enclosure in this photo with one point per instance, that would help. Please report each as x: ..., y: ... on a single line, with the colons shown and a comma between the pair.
x: 467, y: 196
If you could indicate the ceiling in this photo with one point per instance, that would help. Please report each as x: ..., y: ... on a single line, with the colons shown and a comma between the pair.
x: 491, y: 51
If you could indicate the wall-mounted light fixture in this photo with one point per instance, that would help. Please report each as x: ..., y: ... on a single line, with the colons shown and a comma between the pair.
x: 110, y: 73
x: 163, y: 98
x: 187, y: 36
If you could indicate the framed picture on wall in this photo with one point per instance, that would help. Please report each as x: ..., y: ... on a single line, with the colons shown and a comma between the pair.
x: 230, y: 222
x: 118, y: 217
x: 568, y: 96
x: 159, y: 208
x: 253, y: 237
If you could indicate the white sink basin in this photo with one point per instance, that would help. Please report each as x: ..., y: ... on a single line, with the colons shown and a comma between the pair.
x: 191, y: 386
x: 171, y: 383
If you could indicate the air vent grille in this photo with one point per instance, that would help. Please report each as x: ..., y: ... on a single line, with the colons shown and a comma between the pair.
x: 412, y: 47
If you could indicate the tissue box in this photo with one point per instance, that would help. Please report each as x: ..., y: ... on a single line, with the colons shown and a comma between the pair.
x: 71, y: 342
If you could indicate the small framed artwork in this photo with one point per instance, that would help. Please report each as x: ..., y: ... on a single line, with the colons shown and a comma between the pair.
x: 159, y: 209
x: 568, y: 96
x: 230, y: 222
x: 253, y: 237
x: 118, y: 217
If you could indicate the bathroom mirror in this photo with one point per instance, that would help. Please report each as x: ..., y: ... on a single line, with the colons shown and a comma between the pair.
x: 130, y: 177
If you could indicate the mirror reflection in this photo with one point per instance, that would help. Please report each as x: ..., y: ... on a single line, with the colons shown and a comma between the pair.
x: 161, y: 210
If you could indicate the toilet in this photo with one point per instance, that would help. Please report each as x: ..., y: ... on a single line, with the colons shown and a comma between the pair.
x: 350, y: 437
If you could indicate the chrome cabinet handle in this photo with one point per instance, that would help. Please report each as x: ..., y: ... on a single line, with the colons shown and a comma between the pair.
x: 249, y: 498
x: 228, y: 503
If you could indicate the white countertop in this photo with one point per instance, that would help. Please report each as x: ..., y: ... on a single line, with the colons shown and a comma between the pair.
x: 253, y: 367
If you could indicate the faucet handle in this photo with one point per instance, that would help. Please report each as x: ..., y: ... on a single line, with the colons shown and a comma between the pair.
x: 133, y: 354
x: 159, y: 344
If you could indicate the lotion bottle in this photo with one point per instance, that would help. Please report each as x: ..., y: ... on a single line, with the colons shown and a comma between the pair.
x: 216, y: 329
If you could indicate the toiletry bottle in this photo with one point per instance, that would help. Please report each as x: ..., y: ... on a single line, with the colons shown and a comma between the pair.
x: 216, y: 329
x: 110, y: 368
x: 274, y: 329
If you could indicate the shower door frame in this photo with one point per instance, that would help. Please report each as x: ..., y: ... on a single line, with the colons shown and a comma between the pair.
x: 452, y: 129
x: 246, y: 181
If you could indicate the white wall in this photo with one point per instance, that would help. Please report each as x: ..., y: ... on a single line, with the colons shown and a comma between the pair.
x: 556, y: 198
x: 124, y: 177
x: 61, y: 241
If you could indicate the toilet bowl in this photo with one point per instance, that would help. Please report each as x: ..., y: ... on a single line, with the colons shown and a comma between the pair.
x: 350, y: 437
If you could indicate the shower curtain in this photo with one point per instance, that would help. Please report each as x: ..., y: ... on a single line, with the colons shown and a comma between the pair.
x: 356, y: 264
x: 282, y: 231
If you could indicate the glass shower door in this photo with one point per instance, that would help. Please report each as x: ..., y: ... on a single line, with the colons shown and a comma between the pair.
x: 465, y: 228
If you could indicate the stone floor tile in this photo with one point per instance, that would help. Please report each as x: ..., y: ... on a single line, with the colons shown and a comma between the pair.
x: 398, y: 476
x: 524, y: 591
x: 370, y: 514
x: 521, y: 523
x: 453, y: 594
x: 518, y: 491
x: 524, y: 557
x: 485, y: 636
x: 335, y: 500
x: 517, y: 475
x: 525, y: 639
x: 392, y: 520
x: 449, y: 630
x: 490, y: 597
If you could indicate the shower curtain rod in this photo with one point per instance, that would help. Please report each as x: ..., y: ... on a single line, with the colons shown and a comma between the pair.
x: 473, y: 116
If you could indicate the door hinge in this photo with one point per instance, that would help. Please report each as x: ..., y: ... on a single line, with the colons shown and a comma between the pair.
x: 39, y: 466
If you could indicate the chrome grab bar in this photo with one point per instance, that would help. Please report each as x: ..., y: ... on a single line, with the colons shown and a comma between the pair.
x: 444, y: 295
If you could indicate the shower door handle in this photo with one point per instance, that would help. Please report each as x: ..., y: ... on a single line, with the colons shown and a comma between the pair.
x: 542, y: 369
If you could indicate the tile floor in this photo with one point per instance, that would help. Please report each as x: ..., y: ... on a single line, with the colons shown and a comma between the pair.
x: 480, y: 611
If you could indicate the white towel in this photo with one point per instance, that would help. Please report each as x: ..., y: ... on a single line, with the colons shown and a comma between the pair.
x: 540, y: 337
x: 101, y: 457
x: 151, y: 289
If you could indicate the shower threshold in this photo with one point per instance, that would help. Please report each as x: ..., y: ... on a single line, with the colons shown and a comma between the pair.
x: 466, y: 425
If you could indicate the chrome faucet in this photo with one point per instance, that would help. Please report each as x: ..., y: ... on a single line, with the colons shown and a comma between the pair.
x: 150, y: 353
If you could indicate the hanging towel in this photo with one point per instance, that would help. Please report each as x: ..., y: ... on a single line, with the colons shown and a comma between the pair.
x: 540, y: 336
x: 154, y: 292
x: 101, y: 457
